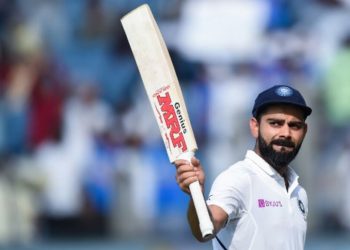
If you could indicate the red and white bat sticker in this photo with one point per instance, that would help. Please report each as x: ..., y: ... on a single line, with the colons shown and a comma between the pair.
x: 171, y: 120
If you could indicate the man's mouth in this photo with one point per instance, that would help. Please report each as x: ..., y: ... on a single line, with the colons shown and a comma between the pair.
x: 280, y: 148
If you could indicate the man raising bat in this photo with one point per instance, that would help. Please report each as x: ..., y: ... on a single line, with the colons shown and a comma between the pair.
x: 165, y: 95
x: 257, y: 203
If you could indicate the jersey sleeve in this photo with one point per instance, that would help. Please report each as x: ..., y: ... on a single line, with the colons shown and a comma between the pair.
x: 230, y: 192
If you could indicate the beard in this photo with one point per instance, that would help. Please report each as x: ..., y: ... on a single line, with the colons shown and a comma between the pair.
x: 278, y: 160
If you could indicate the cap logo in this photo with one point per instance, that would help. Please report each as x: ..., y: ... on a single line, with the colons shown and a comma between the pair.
x: 284, y: 91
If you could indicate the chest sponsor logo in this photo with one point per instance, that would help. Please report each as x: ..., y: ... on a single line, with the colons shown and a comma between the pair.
x: 266, y: 203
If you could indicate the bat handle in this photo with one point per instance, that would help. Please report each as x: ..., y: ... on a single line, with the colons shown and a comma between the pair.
x: 205, y: 223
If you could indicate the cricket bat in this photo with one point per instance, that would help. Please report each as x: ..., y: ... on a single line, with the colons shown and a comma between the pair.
x: 165, y: 95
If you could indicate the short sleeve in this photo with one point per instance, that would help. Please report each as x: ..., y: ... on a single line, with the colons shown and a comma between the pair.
x: 230, y: 191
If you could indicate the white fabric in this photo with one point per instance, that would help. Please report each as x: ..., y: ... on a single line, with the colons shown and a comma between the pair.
x: 262, y: 214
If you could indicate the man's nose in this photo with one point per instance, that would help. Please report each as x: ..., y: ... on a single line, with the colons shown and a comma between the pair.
x: 285, y: 131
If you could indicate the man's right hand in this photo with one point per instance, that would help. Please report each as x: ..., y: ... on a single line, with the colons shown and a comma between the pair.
x: 187, y: 173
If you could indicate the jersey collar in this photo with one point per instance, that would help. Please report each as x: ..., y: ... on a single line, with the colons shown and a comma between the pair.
x: 262, y: 164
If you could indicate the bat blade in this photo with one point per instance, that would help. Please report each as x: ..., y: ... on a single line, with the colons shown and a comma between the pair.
x: 160, y: 81
x: 164, y: 92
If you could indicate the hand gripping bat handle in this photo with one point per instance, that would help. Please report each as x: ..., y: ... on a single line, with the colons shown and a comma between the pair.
x: 205, y: 224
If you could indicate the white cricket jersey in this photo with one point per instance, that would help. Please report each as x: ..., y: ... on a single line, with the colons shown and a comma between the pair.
x: 262, y: 215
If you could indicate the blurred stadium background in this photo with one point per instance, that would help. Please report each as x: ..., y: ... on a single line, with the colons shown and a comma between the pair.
x: 81, y: 161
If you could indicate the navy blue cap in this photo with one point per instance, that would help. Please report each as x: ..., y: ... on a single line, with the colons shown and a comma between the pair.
x: 280, y: 94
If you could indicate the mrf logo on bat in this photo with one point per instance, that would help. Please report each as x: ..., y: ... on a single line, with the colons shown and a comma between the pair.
x: 170, y: 113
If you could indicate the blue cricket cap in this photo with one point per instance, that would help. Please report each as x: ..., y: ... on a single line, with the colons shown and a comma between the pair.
x: 280, y: 94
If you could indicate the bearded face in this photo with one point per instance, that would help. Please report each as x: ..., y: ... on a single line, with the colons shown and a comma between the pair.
x: 278, y: 159
x: 279, y: 133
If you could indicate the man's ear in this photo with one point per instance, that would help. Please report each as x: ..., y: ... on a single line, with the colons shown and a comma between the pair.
x: 254, y: 127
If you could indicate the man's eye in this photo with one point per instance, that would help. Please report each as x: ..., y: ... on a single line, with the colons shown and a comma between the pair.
x: 275, y: 124
x: 296, y: 126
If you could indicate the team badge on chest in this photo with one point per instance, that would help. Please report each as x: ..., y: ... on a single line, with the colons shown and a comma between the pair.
x: 302, y: 208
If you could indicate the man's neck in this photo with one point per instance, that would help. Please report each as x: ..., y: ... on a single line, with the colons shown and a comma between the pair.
x: 285, y: 177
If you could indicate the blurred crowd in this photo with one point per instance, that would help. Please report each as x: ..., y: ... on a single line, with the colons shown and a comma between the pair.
x: 80, y: 151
